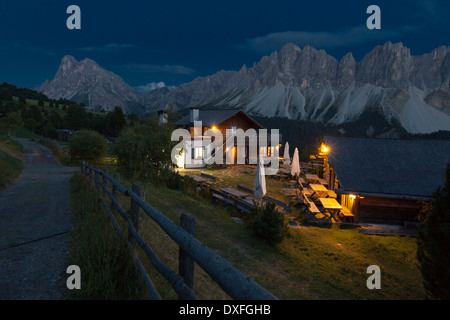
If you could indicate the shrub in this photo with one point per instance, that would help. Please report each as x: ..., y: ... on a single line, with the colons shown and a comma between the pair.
x: 174, y: 180
x: 87, y: 145
x: 268, y: 223
x: 433, y: 244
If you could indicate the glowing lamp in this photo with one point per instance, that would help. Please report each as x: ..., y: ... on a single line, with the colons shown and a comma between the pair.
x: 324, y: 149
x: 352, y: 196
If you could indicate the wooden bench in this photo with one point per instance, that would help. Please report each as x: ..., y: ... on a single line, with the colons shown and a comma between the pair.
x: 346, y: 214
x: 208, y: 176
x: 221, y: 196
x: 312, y: 208
x: 243, y: 206
x: 245, y: 189
x: 279, y: 203
x: 307, y: 192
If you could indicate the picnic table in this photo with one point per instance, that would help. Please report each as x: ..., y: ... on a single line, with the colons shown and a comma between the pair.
x: 312, y: 178
x: 331, y: 207
x: 332, y: 194
x: 319, y: 190
x: 199, y: 180
x: 285, y: 171
x: 324, y: 182
x: 249, y: 201
x: 289, y: 191
x: 235, y: 193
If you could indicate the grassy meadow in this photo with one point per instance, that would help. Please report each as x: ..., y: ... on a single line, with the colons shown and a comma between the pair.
x: 10, y: 163
x: 312, y: 262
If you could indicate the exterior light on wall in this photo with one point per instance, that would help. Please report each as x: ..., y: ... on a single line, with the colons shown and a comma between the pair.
x: 324, y: 149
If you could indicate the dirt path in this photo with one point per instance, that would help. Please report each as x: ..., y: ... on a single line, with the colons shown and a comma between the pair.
x: 34, y: 219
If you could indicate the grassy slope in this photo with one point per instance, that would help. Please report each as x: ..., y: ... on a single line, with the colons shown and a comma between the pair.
x: 106, y: 263
x: 312, y: 263
x: 10, y: 165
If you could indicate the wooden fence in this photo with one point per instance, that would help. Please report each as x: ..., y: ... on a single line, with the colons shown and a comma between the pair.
x: 55, y: 144
x: 232, y: 281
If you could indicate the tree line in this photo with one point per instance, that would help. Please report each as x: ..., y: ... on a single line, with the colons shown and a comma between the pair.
x: 43, y: 116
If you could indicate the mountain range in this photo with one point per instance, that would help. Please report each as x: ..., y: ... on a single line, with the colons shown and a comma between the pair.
x: 86, y: 82
x: 310, y: 85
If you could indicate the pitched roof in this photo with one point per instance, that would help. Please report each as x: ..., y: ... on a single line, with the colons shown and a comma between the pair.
x: 210, y: 117
x: 389, y: 166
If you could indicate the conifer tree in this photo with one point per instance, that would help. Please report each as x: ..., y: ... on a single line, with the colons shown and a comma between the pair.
x: 433, y: 250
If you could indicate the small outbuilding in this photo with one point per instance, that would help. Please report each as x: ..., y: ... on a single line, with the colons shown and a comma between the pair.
x: 385, y: 181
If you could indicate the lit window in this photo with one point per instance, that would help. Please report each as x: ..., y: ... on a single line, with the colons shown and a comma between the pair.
x: 263, y: 151
x: 199, y: 153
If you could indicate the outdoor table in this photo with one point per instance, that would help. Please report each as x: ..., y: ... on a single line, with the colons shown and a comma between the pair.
x: 312, y: 178
x: 324, y: 182
x: 199, y: 180
x: 332, y: 194
x: 289, y: 191
x: 284, y: 172
x: 331, y: 207
x: 319, y: 190
x: 235, y: 193
x: 249, y: 201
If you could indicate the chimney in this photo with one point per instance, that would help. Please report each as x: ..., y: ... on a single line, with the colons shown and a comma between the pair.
x: 162, y: 116
x: 194, y: 114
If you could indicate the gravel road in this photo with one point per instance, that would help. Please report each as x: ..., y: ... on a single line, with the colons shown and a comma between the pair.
x: 34, y: 220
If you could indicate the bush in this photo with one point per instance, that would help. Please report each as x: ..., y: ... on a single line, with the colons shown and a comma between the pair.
x: 174, y: 180
x: 268, y: 223
x: 433, y: 244
x: 87, y: 145
x: 144, y: 151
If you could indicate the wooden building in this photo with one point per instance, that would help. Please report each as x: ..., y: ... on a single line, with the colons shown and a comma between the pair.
x: 385, y: 180
x: 223, y: 120
x: 63, y: 134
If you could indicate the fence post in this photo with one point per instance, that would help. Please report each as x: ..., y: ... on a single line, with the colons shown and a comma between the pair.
x: 105, y: 182
x: 96, y: 178
x: 114, y: 191
x: 90, y: 172
x: 186, y: 263
x: 134, y: 211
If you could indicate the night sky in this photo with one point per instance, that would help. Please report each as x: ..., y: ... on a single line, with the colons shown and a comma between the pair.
x: 174, y: 42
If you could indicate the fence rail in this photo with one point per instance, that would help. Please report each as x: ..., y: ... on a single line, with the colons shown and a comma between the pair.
x: 55, y: 144
x: 231, y: 280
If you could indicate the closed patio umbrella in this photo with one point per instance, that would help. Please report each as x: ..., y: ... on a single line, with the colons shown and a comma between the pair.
x: 260, y: 182
x: 287, y: 159
x: 295, y: 168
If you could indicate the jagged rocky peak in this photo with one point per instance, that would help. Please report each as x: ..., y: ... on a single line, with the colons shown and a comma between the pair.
x: 86, y: 82
x: 309, y: 84
x: 67, y: 63
x: 387, y: 65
